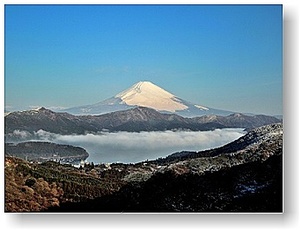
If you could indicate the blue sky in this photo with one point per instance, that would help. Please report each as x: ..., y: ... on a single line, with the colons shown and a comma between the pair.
x: 225, y: 57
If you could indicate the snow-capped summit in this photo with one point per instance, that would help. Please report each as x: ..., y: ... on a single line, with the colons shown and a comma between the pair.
x: 146, y: 94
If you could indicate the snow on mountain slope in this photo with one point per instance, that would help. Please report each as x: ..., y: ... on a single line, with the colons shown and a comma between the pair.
x: 149, y: 95
x: 146, y: 94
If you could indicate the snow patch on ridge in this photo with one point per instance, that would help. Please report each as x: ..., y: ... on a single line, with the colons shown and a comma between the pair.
x: 201, y: 107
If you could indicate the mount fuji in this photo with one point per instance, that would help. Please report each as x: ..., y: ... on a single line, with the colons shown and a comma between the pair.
x: 146, y: 94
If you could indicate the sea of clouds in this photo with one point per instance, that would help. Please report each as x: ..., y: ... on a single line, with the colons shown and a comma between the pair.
x: 132, y: 147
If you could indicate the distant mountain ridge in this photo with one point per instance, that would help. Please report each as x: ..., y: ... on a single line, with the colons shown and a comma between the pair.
x: 146, y: 94
x: 132, y: 120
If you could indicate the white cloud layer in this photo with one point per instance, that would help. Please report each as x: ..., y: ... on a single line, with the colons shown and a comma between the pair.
x: 134, y: 147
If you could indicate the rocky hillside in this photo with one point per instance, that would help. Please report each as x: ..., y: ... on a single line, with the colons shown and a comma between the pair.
x: 244, y: 176
x: 251, y: 187
x: 261, y: 141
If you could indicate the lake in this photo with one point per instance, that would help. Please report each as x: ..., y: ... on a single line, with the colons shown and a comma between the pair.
x: 128, y: 147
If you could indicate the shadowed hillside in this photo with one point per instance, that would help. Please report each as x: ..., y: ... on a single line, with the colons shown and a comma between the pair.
x: 243, y: 176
